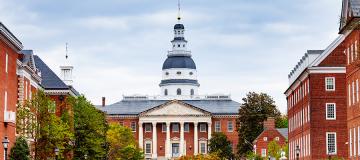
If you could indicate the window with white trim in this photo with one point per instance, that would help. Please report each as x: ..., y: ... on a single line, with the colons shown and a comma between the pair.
x: 133, y: 126
x: 353, y: 92
x: 348, y: 56
x: 330, y: 83
x: 6, y: 62
x: 5, y: 101
x: 148, y: 147
x: 265, y: 139
x: 147, y: 127
x: 202, y: 147
x: 230, y: 126
x: 217, y: 126
x: 202, y: 127
x: 186, y: 127
x: 349, y: 95
x: 175, y: 127
x: 277, y: 138
x: 330, y: 111
x: 357, y: 90
x: 350, y: 143
x: 263, y: 152
x: 330, y: 143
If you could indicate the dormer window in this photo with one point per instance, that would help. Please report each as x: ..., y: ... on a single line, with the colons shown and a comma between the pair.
x: 167, y: 73
x: 191, y: 73
x: 178, y: 73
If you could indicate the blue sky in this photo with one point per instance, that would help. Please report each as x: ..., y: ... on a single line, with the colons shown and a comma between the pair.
x: 118, y: 46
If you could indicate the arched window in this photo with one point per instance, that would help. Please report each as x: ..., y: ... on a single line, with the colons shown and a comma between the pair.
x: 178, y: 91
x: 192, y: 92
x: 166, y: 92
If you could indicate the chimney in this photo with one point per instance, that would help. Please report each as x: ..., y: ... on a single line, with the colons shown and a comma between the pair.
x: 103, y: 102
x: 269, y: 123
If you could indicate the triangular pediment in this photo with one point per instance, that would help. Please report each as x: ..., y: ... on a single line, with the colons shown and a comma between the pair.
x: 175, y: 108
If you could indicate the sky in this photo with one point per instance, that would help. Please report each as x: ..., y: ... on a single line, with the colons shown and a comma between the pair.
x: 118, y: 46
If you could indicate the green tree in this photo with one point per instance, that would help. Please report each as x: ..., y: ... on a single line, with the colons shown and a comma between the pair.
x: 274, y: 150
x: 220, y: 145
x: 121, y: 142
x: 254, y: 110
x: 90, y: 129
x: 252, y: 156
x: 281, y: 122
x: 36, y: 118
x: 20, y: 150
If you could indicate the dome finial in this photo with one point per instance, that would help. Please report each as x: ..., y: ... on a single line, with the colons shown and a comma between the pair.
x: 178, y: 18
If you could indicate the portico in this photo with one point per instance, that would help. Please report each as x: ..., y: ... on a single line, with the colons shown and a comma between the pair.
x: 175, y: 119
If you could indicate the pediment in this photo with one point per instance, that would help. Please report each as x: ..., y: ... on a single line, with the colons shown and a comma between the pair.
x: 175, y: 108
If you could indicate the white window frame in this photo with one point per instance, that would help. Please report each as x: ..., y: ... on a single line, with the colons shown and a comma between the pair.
x: 277, y: 139
x: 265, y: 139
x: 349, y: 94
x: 230, y: 129
x: 353, y: 92
x: 357, y: 90
x: 148, y: 127
x: 326, y: 83
x: 327, y: 143
x: 186, y: 127
x: 145, y: 147
x: 263, y: 152
x: 202, y: 127
x: 327, y: 111
x: 6, y: 62
x: 205, y: 147
x: 133, y: 126
x: 5, y: 101
x: 350, y: 143
x: 173, y: 127
x: 217, y: 126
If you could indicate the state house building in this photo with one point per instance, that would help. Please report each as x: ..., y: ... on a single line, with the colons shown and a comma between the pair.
x: 179, y: 121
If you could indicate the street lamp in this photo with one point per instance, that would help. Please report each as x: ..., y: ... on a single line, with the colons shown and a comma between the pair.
x: 5, y: 143
x: 85, y: 156
x: 297, y: 151
x: 56, y: 150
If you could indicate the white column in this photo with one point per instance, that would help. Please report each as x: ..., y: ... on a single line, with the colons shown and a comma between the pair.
x: 196, y: 139
x: 181, y: 149
x: 209, y: 130
x: 141, y: 137
x: 154, y: 140
x: 167, y: 141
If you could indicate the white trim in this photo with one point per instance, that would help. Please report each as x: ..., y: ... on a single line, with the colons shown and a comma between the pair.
x: 178, y: 127
x: 147, y: 126
x: 326, y: 83
x: 329, y: 49
x: 335, y: 141
x: 205, y: 144
x: 217, y: 126
x: 202, y: 124
x: 326, y: 109
x: 148, y: 142
x: 232, y: 126
x: 4, y: 31
x: 131, y: 126
x: 6, y: 62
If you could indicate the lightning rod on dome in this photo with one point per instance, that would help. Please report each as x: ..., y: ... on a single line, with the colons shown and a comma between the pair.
x: 179, y: 18
x: 66, y: 50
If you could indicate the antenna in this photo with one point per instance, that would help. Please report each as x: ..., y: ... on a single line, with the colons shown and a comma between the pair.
x: 66, y: 50
x: 178, y: 11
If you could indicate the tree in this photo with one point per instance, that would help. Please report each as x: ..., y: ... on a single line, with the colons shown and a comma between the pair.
x: 20, y: 150
x: 220, y: 145
x: 37, y: 118
x: 121, y: 142
x: 274, y: 150
x: 281, y: 122
x: 90, y: 129
x: 254, y: 110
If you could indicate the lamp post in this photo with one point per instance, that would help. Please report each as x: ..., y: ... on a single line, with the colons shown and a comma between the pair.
x: 85, y: 156
x: 5, y: 143
x: 56, y: 150
x: 297, y: 151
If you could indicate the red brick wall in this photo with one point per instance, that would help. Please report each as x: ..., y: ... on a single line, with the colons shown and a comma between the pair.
x: 8, y: 82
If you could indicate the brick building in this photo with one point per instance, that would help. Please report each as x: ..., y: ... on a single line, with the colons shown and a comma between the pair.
x: 350, y: 39
x: 317, y: 105
x: 21, y: 74
x: 270, y: 133
x: 179, y: 121
x: 10, y: 46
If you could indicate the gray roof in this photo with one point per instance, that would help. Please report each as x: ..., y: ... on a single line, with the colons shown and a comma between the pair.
x: 49, y: 79
x: 179, y: 26
x: 179, y: 62
x: 283, y: 131
x: 134, y: 107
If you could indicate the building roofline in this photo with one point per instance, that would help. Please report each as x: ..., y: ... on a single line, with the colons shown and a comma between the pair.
x: 11, y: 37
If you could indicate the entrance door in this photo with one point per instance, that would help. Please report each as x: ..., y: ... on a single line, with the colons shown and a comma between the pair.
x: 175, y: 150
